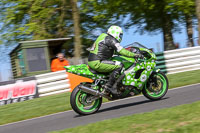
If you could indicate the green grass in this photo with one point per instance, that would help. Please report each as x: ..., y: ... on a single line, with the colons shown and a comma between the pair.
x: 34, y: 108
x: 184, y: 78
x: 179, y: 119
x: 60, y: 102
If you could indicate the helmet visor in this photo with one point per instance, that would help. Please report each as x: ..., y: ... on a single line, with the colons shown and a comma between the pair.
x: 120, y: 35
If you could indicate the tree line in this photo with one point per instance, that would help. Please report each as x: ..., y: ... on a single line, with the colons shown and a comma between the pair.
x: 43, y: 19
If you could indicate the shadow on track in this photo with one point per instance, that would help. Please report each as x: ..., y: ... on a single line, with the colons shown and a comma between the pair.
x: 122, y: 106
x: 128, y: 105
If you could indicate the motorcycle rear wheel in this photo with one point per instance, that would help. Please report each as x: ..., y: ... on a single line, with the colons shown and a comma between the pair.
x: 80, y: 105
x: 156, y: 92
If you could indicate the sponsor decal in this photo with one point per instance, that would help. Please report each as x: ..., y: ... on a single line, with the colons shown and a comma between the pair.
x: 143, y: 78
x: 18, y: 90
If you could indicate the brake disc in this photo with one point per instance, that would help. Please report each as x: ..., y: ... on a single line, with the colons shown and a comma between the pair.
x: 87, y: 100
x: 155, y: 87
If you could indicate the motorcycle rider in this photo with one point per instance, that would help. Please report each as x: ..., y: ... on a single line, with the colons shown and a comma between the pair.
x: 102, y: 51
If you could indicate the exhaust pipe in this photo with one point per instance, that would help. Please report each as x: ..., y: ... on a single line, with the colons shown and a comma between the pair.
x: 90, y: 91
x: 93, y: 92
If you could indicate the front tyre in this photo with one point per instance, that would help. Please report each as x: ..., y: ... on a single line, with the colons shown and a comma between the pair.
x: 82, y: 104
x: 156, y: 87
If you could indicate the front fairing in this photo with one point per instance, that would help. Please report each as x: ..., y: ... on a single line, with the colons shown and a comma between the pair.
x: 148, y: 54
x: 138, y: 74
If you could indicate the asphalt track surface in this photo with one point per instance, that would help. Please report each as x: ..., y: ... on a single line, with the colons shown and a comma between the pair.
x: 139, y: 104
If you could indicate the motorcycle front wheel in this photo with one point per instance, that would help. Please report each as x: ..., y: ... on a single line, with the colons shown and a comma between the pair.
x: 156, y: 87
x: 82, y: 104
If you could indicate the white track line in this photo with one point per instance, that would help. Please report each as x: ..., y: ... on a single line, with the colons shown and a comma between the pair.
x: 36, y: 118
x: 184, y: 86
x: 103, y: 103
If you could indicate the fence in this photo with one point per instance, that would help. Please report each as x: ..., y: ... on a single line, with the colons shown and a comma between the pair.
x: 52, y: 83
x: 173, y: 61
x: 179, y: 60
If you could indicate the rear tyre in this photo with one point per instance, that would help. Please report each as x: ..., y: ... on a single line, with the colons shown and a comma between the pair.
x: 156, y: 87
x: 80, y: 104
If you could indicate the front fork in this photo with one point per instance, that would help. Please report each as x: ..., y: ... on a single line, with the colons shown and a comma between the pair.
x: 154, y: 78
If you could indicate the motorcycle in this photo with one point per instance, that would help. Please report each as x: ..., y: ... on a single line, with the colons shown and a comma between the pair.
x: 137, y: 76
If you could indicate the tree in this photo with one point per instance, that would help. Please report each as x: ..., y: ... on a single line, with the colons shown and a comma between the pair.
x: 23, y: 20
x: 76, y: 20
x: 185, y: 10
x: 33, y: 20
x: 197, y: 3
x: 150, y: 16
x: 147, y: 15
x: 37, y: 19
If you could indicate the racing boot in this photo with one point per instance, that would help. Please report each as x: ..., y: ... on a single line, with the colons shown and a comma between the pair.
x: 111, y: 81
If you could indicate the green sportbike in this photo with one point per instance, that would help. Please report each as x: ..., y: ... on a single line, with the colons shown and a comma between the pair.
x: 137, y: 76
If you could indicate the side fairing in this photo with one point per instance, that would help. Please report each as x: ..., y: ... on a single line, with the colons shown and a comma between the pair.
x: 138, y: 81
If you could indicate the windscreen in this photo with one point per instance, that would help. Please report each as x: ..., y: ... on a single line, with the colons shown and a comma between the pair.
x: 135, y: 44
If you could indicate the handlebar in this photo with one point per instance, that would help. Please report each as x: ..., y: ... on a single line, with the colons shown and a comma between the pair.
x: 140, y: 60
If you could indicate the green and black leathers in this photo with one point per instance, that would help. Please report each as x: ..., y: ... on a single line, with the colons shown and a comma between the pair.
x: 100, y: 58
x: 102, y: 51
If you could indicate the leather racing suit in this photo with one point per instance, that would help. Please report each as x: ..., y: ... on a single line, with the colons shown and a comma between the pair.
x: 100, y: 58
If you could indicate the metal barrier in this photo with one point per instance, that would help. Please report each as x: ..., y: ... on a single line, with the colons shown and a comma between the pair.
x: 179, y: 60
x: 52, y: 83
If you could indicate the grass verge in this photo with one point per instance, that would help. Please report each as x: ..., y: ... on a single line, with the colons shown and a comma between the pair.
x: 184, y: 78
x: 60, y: 102
x: 34, y: 108
x: 179, y: 119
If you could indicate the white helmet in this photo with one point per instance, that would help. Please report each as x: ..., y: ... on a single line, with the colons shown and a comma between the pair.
x: 116, y: 32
